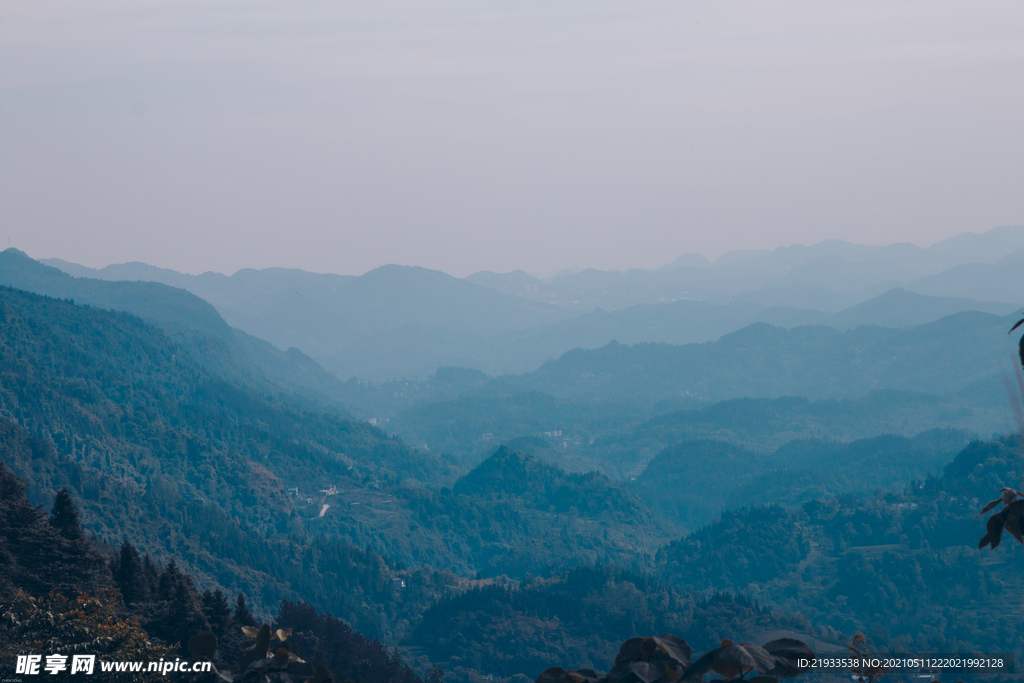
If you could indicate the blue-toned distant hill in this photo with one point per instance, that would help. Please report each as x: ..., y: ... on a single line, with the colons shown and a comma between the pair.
x: 191, y: 321
x: 692, y: 482
x: 394, y: 321
x: 618, y: 439
x: 688, y: 321
x: 965, y: 352
x: 829, y: 276
x: 398, y: 322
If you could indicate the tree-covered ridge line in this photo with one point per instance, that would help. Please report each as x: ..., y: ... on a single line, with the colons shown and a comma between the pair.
x: 952, y: 354
x: 619, y: 438
x: 866, y: 565
x: 692, y: 482
x: 183, y: 464
x: 170, y: 606
x: 195, y: 326
x: 618, y: 405
x: 901, y: 566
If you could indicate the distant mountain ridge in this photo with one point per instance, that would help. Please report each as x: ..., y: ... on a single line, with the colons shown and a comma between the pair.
x: 394, y: 321
x: 833, y: 273
x: 225, y: 351
x: 397, y: 322
x: 950, y: 355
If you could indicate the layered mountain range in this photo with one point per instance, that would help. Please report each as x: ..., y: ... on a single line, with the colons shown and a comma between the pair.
x: 820, y: 466
x: 404, y: 322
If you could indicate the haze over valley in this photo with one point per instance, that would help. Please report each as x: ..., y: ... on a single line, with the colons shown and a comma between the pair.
x: 398, y: 322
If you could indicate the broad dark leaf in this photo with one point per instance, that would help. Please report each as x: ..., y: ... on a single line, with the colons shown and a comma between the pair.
x: 745, y: 656
x: 551, y: 675
x: 262, y: 641
x: 636, y: 672
x: 675, y: 647
x: 701, y: 666
x: 629, y: 650
x: 645, y: 672
x: 203, y: 645
x: 787, y: 653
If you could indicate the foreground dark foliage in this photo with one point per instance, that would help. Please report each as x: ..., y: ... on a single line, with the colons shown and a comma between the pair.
x: 143, y: 612
x: 323, y: 638
x: 666, y: 659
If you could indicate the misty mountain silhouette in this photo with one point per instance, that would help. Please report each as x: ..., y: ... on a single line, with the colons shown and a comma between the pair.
x: 402, y: 322
x: 191, y: 321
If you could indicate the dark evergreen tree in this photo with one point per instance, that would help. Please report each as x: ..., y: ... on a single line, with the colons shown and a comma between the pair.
x: 151, y: 574
x: 217, y: 611
x: 40, y: 557
x: 179, y: 615
x: 21, y: 535
x: 64, y: 517
x: 170, y: 579
x: 242, y: 614
x: 130, y: 575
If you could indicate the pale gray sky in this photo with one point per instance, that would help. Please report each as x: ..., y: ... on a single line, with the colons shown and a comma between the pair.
x: 337, y: 136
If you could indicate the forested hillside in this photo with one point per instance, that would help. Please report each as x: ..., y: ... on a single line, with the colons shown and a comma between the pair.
x: 954, y: 354
x: 619, y: 438
x: 194, y: 325
x: 187, y: 465
x: 192, y: 469
x: 60, y: 593
x: 226, y: 480
x: 503, y: 553
x: 577, y: 620
x: 691, y: 482
x: 901, y: 566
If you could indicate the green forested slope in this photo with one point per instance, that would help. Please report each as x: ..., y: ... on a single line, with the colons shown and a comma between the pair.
x: 943, y: 357
x: 258, y: 493
x: 903, y: 567
x: 60, y: 593
x: 187, y: 465
x: 192, y: 322
x: 190, y: 466
x: 691, y: 482
x: 512, y: 515
x: 577, y: 620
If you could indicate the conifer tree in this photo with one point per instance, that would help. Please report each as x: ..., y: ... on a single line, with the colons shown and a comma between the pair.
x: 181, y: 607
x: 242, y: 614
x: 74, y: 565
x: 151, y: 573
x: 217, y: 611
x: 130, y: 575
x: 64, y: 517
x: 170, y: 578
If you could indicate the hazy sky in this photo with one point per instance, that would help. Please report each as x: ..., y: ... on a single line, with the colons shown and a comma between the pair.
x: 337, y: 136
